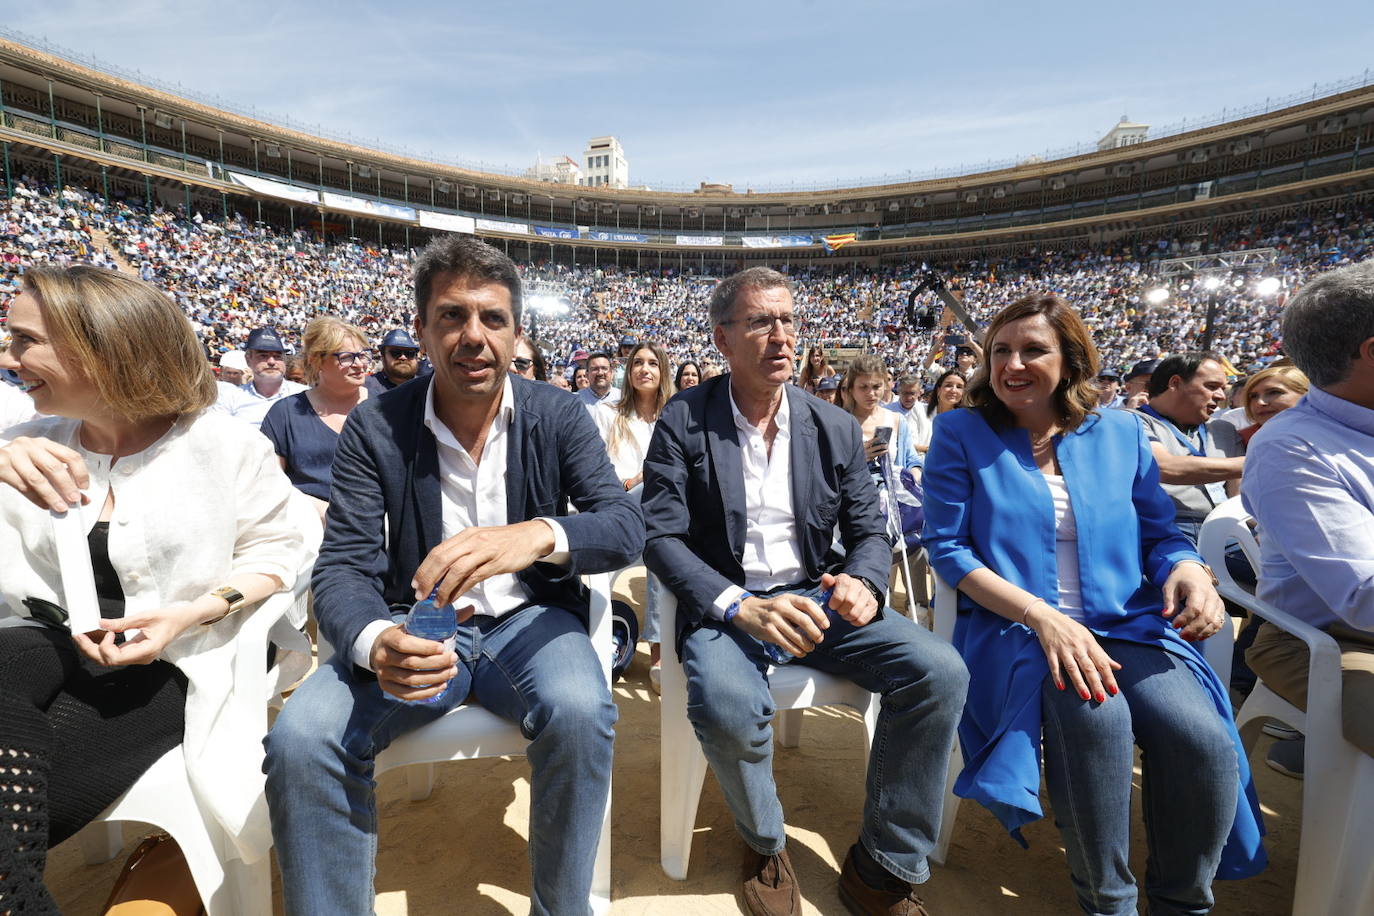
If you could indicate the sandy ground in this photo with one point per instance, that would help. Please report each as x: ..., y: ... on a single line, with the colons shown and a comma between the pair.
x: 479, y: 811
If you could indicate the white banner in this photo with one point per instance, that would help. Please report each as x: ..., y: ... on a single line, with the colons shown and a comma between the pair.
x: 448, y: 222
x: 713, y: 241
x: 775, y: 241
x: 500, y: 225
x: 276, y: 188
x: 366, y: 207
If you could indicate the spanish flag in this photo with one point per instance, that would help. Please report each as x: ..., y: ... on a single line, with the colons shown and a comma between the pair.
x: 834, y: 243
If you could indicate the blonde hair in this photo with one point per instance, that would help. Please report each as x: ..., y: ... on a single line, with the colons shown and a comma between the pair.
x: 1290, y: 376
x: 323, y: 336
x: 127, y: 338
x: 620, y: 428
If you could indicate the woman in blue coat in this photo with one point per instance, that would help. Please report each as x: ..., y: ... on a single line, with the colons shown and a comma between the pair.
x: 1080, y: 606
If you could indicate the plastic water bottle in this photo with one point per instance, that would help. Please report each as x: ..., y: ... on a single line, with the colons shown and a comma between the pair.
x: 780, y: 656
x: 430, y: 620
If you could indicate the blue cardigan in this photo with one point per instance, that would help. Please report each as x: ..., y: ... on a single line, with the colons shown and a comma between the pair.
x: 988, y: 505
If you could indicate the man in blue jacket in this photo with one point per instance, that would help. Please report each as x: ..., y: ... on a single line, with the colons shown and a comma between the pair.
x: 745, y: 482
x: 460, y: 487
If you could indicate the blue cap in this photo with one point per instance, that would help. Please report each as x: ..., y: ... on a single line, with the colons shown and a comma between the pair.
x: 628, y: 341
x: 265, y: 339
x: 1144, y: 367
x: 829, y: 383
x: 400, y: 338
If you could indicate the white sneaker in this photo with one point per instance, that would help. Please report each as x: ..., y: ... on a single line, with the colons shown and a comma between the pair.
x: 656, y: 677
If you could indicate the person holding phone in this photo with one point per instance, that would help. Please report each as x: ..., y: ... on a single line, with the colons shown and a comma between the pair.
x: 189, y: 524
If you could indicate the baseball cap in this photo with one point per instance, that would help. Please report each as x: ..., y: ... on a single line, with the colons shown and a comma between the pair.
x: 1144, y: 367
x: 829, y: 383
x: 580, y: 354
x: 233, y: 359
x: 628, y: 341
x: 264, y: 339
x: 1110, y: 373
x: 400, y: 338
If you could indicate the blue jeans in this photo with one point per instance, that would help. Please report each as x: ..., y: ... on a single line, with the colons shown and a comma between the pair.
x: 1189, y: 787
x: 535, y: 668
x: 922, y: 681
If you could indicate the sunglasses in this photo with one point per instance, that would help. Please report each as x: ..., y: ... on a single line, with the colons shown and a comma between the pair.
x: 522, y: 363
x: 402, y: 354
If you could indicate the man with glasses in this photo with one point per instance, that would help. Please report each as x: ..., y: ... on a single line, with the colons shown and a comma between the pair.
x: 745, y: 482
x: 599, y: 389
x: 400, y: 362
x: 266, y: 356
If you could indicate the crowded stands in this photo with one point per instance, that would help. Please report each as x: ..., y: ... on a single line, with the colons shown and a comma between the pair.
x: 252, y: 288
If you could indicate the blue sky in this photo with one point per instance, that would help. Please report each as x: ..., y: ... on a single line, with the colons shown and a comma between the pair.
x: 756, y: 94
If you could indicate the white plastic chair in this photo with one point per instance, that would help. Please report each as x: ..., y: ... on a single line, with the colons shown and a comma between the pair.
x: 1334, y: 873
x: 1216, y: 649
x: 468, y: 732
x: 162, y: 796
x: 683, y: 765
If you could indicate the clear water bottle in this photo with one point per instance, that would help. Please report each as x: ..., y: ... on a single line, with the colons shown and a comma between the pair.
x: 430, y: 620
x: 780, y: 656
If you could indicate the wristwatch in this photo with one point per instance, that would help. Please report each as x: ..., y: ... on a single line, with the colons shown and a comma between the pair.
x: 231, y: 595
x: 1215, y: 581
x: 733, y: 608
x: 876, y: 592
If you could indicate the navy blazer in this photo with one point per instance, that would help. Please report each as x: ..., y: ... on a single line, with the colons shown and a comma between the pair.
x: 385, y: 512
x: 693, y: 497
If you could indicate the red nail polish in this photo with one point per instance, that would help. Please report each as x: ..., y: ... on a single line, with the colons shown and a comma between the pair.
x: 1112, y: 691
x: 1101, y: 698
x: 1084, y: 694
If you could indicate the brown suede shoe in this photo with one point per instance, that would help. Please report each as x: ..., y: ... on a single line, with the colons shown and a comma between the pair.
x: 894, y: 898
x: 770, y: 885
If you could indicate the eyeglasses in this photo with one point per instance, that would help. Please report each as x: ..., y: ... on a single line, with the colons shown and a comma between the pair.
x: 402, y: 354
x: 763, y: 324
x: 522, y: 363
x: 349, y: 357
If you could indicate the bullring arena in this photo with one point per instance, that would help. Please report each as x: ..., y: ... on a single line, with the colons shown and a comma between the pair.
x: 248, y: 223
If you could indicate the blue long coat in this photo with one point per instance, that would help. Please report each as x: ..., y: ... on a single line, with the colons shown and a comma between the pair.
x: 988, y: 505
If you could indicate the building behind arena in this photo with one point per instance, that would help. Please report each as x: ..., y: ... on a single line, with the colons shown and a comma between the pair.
x: 122, y: 138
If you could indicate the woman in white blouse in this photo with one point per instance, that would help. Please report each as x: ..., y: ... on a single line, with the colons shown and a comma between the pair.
x: 626, y: 428
x: 188, y: 521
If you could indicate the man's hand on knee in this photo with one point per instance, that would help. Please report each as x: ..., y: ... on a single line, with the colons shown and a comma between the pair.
x: 790, y: 621
x: 411, y: 668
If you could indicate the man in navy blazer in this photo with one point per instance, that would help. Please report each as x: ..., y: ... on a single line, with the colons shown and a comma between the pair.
x: 746, y: 481
x: 456, y: 485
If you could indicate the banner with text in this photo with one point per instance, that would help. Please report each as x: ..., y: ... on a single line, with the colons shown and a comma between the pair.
x: 599, y: 236
x: 712, y: 241
x: 553, y: 232
x: 448, y: 222
x: 776, y: 241
x: 366, y: 207
x: 276, y: 189
x: 500, y: 225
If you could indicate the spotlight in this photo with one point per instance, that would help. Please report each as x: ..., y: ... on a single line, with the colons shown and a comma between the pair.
x: 1157, y: 295
x: 1267, y: 286
x: 1211, y: 282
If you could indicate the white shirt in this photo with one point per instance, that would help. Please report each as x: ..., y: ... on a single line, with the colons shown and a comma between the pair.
x: 15, y: 407
x: 245, y: 402
x: 205, y: 502
x: 473, y: 495
x: 1066, y: 548
x: 628, y: 455
x: 590, y: 400
x: 771, y: 557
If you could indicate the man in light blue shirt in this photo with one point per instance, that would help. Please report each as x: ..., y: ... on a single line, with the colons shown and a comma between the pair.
x: 1309, y: 482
